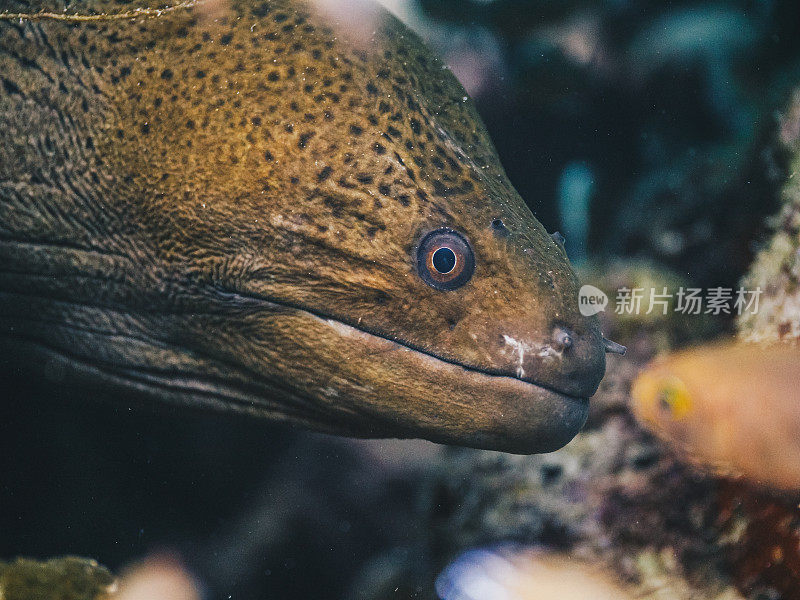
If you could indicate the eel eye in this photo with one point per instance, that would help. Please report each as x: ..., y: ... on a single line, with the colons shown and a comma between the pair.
x: 445, y: 260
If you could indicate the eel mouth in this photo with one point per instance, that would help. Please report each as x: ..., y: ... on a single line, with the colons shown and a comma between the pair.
x: 338, y: 322
x: 286, y: 363
x: 403, y: 391
x: 435, y: 358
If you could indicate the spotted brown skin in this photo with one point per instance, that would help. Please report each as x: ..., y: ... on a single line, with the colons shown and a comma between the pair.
x: 224, y: 208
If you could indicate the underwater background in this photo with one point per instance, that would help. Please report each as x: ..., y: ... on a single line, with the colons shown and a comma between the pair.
x: 658, y: 137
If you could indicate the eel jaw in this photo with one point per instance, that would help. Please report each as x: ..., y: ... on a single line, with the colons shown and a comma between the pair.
x: 355, y: 382
x: 287, y: 364
x: 381, y: 388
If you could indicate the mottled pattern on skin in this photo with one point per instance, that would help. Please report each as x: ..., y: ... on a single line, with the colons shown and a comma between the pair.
x: 202, y: 175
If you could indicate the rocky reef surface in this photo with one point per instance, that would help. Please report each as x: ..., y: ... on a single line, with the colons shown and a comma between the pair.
x: 776, y: 269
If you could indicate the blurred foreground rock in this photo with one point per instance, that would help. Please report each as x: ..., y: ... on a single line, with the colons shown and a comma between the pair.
x: 68, y: 578
x: 75, y: 578
x: 527, y: 574
x: 157, y: 578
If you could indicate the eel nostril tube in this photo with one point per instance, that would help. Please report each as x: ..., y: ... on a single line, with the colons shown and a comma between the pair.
x: 562, y: 339
x: 614, y: 347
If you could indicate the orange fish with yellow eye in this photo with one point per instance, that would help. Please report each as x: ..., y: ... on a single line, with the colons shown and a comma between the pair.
x: 732, y: 407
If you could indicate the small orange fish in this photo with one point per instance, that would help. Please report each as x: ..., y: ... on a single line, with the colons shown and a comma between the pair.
x: 732, y: 407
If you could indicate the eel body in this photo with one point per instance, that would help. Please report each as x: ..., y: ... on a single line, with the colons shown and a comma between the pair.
x: 246, y: 205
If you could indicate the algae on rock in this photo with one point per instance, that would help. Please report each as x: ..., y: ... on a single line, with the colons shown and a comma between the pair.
x: 67, y: 578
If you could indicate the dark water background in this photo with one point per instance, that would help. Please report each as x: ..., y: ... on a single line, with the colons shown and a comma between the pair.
x: 665, y: 111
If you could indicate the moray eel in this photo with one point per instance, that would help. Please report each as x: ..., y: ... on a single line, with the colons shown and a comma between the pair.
x: 730, y: 407
x: 234, y: 205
